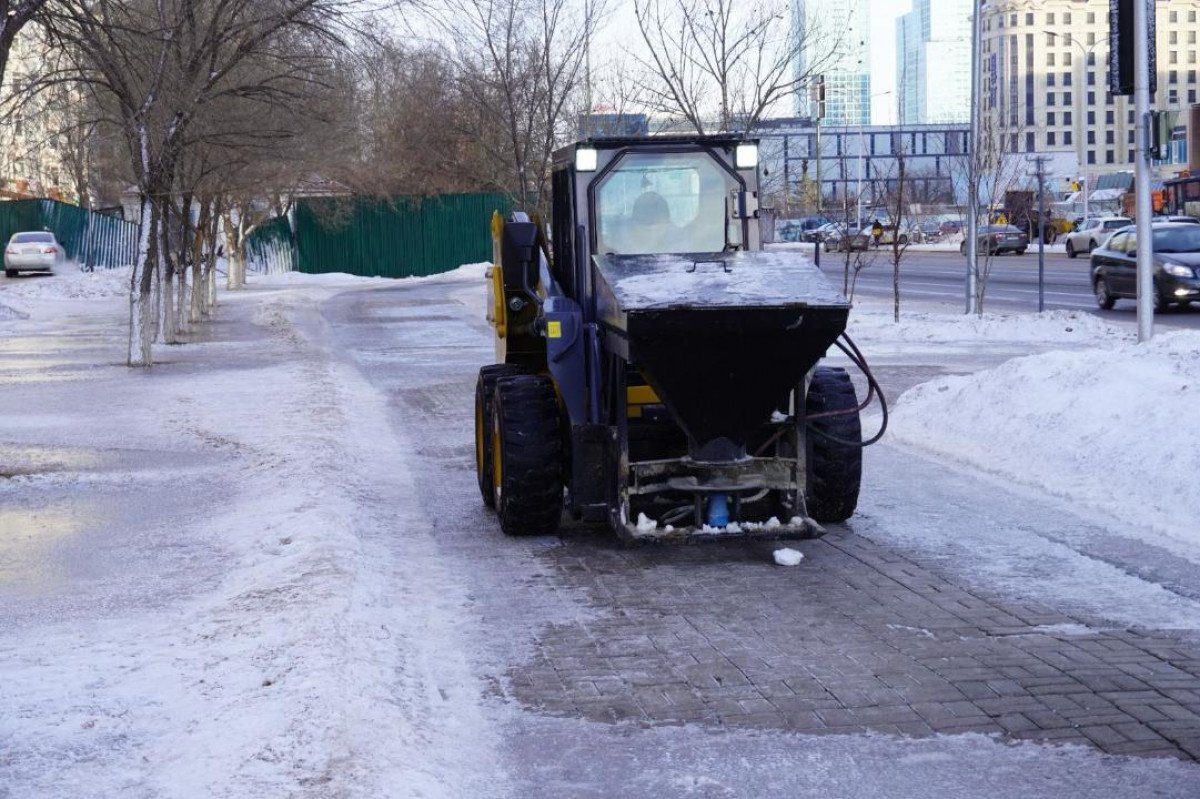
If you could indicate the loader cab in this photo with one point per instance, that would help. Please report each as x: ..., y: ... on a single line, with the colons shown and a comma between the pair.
x: 652, y: 196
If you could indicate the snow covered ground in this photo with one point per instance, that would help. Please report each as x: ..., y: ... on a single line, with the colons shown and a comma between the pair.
x: 215, y: 579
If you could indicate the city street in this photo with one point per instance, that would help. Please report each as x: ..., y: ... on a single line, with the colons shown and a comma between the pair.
x: 938, y: 277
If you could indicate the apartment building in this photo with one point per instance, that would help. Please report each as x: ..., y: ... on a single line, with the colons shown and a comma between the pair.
x: 1044, y: 80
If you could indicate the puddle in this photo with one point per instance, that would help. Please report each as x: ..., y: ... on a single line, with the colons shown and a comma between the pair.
x: 17, y: 460
x: 28, y: 540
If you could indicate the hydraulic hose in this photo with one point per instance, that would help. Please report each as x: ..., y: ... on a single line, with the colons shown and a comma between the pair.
x: 856, y: 357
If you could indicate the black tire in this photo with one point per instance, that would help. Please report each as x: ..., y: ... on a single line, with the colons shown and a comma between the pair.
x: 1092, y: 245
x: 10, y: 272
x: 962, y: 248
x: 1071, y: 250
x: 1020, y: 252
x: 485, y: 388
x: 1161, y: 304
x: 834, y: 468
x: 527, y: 455
x: 1104, y: 297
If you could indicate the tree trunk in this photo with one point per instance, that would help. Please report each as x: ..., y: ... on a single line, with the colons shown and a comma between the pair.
x: 141, y: 301
x: 196, y: 306
x: 233, y: 276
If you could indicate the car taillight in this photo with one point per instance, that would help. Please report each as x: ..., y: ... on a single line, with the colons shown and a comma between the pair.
x: 997, y: 236
x: 10, y: 251
x: 49, y: 250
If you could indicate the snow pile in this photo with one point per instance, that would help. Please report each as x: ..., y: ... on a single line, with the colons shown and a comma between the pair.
x: 337, y: 279
x: 1108, y: 428
x: 69, y: 284
x: 788, y: 557
x: 872, y: 321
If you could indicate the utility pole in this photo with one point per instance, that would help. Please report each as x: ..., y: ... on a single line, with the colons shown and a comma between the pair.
x: 1142, y: 9
x: 818, y: 115
x: 1039, y: 162
x: 973, y: 159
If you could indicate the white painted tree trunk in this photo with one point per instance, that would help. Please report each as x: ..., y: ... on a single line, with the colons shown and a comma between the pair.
x: 141, y: 304
x: 196, y: 310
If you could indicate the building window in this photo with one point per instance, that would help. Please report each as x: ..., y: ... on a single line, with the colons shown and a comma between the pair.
x: 1049, y: 59
x: 1066, y: 59
x: 1191, y: 16
x: 1131, y: 137
x: 1049, y: 39
x: 1050, y: 138
x: 1108, y: 117
x: 1067, y: 118
x: 1050, y: 118
x: 1049, y: 98
x: 1029, y: 19
x: 1110, y: 137
x: 1173, y: 57
x: 1091, y: 117
x: 1091, y: 17
x: 1091, y: 59
x: 1012, y: 20
x: 1029, y: 143
x: 1050, y: 18
x: 1129, y: 117
x: 1066, y: 79
x: 1049, y: 78
x: 1191, y: 96
x: 1173, y: 37
x: 1173, y: 76
x: 1091, y: 98
x: 1110, y: 157
x: 1191, y: 37
x: 1191, y: 56
x: 1091, y: 77
x: 1012, y: 142
x: 1174, y: 16
x: 1066, y: 17
x: 1191, y: 76
x: 1091, y: 137
x: 1066, y: 37
x: 1091, y: 159
x: 1066, y: 98
x: 1066, y: 137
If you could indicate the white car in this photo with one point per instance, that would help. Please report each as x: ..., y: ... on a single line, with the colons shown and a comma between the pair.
x: 1093, y: 232
x: 34, y: 251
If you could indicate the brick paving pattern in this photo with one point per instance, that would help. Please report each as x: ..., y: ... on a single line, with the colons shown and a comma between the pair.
x: 858, y: 639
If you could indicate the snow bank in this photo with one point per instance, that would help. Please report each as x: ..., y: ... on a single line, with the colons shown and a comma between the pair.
x: 335, y: 279
x: 872, y: 320
x: 1108, y: 428
x: 68, y: 284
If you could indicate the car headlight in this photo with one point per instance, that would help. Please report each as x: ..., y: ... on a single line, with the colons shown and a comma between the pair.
x: 1177, y: 270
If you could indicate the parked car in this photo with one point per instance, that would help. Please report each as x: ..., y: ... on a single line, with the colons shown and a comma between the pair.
x: 887, y: 235
x: 926, y: 232
x: 997, y: 239
x: 33, y: 251
x: 1190, y: 220
x: 1176, y: 265
x: 950, y: 227
x: 1091, y: 233
x: 839, y: 238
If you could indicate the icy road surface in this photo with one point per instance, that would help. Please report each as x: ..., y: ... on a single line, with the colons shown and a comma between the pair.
x: 262, y: 569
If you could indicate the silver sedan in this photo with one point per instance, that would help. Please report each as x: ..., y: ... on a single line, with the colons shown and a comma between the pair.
x: 35, y: 251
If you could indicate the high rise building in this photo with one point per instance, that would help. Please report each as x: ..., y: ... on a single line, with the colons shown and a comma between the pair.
x: 835, y: 36
x: 1044, y: 80
x: 933, y: 62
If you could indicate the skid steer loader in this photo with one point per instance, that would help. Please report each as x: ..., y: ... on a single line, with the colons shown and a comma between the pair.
x: 659, y: 369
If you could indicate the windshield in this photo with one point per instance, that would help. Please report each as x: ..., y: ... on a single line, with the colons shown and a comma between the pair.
x: 1180, y: 239
x: 665, y: 203
x: 39, y: 237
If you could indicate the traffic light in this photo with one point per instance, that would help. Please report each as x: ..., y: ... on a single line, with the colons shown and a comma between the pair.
x: 1162, y: 126
x: 817, y: 91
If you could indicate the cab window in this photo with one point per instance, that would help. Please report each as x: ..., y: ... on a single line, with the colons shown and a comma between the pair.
x: 665, y: 203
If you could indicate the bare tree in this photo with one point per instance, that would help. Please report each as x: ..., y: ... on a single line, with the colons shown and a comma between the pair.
x: 165, y: 68
x: 720, y: 65
x: 519, y: 65
x: 999, y: 167
x: 14, y: 16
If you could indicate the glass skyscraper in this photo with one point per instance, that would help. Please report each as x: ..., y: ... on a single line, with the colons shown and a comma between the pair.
x: 933, y: 62
x: 835, y: 37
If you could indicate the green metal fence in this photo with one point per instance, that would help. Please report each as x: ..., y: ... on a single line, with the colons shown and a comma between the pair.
x: 269, y: 247
x: 92, y: 240
x: 395, y: 237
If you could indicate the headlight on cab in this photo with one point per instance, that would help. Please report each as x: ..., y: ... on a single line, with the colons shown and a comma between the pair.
x: 1176, y: 270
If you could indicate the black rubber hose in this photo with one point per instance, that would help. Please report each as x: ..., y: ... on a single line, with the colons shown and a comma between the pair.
x: 856, y: 357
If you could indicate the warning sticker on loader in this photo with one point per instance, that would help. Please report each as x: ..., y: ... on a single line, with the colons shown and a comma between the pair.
x: 554, y: 330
